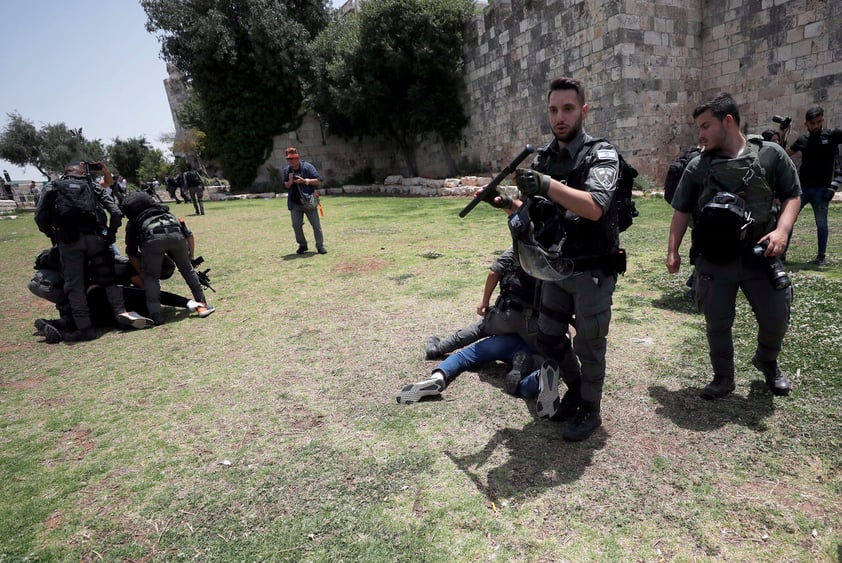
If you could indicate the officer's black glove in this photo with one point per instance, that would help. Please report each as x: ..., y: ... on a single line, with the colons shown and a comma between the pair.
x: 531, y: 183
x: 500, y: 201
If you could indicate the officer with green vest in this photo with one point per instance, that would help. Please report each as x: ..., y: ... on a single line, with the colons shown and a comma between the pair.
x: 748, y: 175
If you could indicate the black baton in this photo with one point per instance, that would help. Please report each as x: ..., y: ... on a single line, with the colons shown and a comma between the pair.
x: 488, y: 191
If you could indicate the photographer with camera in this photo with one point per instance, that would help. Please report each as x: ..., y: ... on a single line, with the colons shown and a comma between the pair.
x: 819, y: 149
x: 301, y: 179
x: 71, y: 212
x: 729, y: 192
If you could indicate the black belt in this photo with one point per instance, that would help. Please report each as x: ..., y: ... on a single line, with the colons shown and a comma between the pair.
x: 166, y: 230
x: 594, y: 263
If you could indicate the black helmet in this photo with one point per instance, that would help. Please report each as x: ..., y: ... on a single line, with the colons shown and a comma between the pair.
x: 135, y: 203
x: 537, y: 236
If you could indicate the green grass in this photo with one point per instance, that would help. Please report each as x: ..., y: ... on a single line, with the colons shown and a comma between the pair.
x: 269, y: 431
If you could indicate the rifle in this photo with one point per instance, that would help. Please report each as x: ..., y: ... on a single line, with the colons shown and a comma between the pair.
x: 489, y: 191
x: 204, y: 279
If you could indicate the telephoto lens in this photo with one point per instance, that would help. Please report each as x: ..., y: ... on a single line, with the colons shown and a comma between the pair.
x: 774, y: 267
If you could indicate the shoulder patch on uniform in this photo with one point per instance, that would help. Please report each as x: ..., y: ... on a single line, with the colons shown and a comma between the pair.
x: 606, y: 154
x: 604, y: 175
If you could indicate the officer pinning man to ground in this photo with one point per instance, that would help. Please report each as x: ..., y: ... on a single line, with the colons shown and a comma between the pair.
x: 71, y: 212
x: 729, y: 193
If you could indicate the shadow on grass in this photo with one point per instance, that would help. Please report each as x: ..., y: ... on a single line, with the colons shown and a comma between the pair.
x: 537, y: 459
x: 688, y: 410
x: 296, y: 256
x: 678, y: 301
x: 523, y: 462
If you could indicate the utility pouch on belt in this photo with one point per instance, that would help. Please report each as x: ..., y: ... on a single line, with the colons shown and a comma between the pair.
x: 160, y: 225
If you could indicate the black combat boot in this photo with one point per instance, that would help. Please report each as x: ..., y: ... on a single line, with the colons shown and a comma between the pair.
x: 586, y: 421
x: 431, y: 348
x: 721, y: 386
x: 81, y: 335
x: 52, y: 335
x: 776, y: 380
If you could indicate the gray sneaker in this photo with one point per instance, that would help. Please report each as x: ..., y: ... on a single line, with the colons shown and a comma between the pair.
x: 548, y: 401
x: 130, y: 319
x: 521, y: 367
x: 414, y: 392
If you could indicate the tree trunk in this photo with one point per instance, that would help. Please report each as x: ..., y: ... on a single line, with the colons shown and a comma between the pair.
x: 448, y: 160
x: 409, y: 158
x: 407, y: 151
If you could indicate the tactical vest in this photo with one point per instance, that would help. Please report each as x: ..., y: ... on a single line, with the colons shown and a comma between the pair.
x: 584, y: 238
x: 745, y: 177
x: 518, y: 286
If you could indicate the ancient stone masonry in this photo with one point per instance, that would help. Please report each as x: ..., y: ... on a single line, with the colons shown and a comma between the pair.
x: 645, y: 63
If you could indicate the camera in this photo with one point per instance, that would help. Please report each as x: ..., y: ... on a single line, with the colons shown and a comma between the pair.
x: 94, y: 166
x: 774, y: 266
x: 783, y: 121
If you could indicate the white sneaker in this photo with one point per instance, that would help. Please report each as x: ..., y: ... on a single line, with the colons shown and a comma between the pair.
x: 415, y: 391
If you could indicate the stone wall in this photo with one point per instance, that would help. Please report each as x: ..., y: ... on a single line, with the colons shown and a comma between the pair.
x: 645, y: 63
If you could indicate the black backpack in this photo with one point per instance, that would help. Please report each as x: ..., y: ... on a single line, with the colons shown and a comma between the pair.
x: 192, y: 179
x: 676, y: 169
x: 76, y: 205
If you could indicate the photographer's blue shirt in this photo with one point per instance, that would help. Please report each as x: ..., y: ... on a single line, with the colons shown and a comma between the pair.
x: 306, y: 171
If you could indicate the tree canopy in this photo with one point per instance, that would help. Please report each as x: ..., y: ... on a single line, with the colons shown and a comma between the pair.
x: 395, y: 68
x: 49, y: 148
x: 245, y: 61
x: 127, y: 156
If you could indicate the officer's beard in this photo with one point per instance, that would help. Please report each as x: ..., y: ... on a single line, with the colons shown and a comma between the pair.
x: 571, y: 132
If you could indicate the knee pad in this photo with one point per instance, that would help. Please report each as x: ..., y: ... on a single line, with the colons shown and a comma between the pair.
x: 49, y: 285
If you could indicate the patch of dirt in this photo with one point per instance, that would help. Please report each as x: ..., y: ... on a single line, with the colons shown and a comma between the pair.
x: 28, y: 383
x: 75, y: 444
x: 19, y: 347
x: 367, y: 266
x: 53, y: 521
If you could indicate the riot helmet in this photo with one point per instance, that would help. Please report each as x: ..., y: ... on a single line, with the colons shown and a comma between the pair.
x: 537, y: 236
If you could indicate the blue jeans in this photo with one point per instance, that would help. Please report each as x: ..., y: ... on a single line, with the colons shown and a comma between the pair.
x: 502, y: 347
x: 528, y: 386
x: 816, y: 198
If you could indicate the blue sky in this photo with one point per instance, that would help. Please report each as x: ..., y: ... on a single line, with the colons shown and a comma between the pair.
x: 87, y: 63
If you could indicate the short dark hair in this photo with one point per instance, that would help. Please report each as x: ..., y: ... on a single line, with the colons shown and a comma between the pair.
x: 720, y: 105
x: 566, y: 83
x: 813, y: 112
